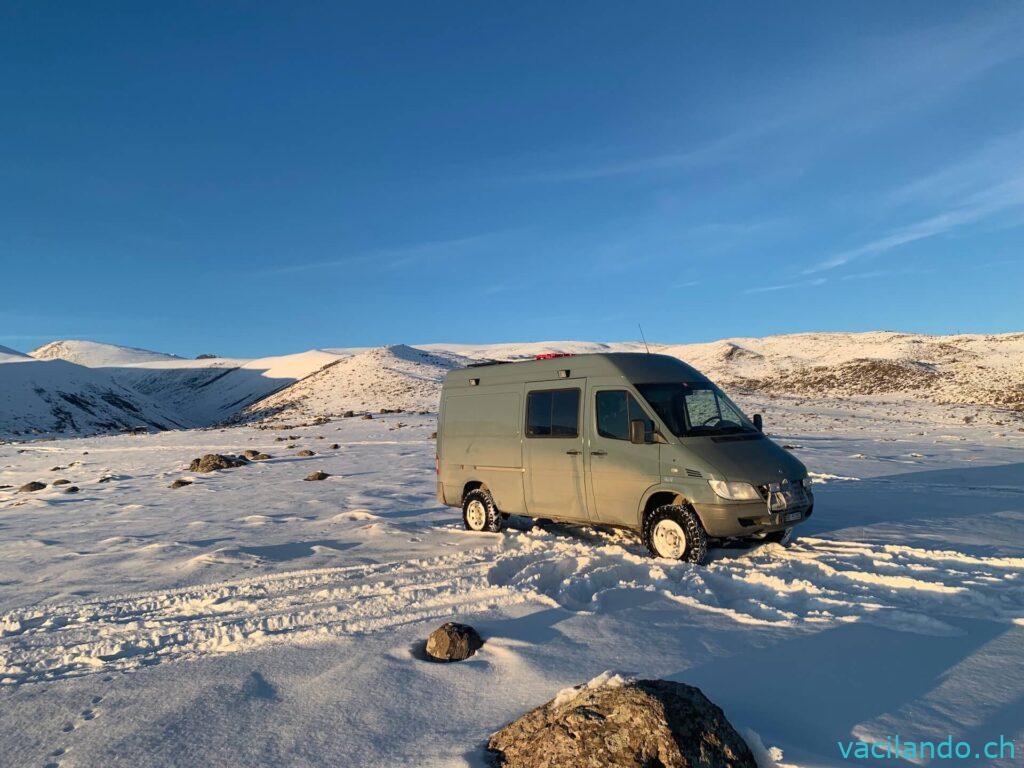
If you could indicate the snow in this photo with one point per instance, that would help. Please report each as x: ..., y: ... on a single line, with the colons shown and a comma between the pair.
x: 8, y: 355
x: 97, y: 355
x: 252, y: 618
x: 396, y: 377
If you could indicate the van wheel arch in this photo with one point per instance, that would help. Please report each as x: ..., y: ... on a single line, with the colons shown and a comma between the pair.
x: 472, y: 485
x: 661, y: 499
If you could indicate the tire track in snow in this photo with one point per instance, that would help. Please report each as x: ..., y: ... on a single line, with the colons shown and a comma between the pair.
x: 126, y: 632
x: 813, y: 583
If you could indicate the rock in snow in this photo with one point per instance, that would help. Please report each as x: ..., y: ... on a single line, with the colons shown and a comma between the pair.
x: 30, y: 487
x: 180, y: 483
x: 318, y: 475
x: 617, y: 723
x: 214, y: 461
x: 453, y: 642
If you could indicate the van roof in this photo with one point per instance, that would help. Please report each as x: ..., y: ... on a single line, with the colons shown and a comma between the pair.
x: 635, y: 367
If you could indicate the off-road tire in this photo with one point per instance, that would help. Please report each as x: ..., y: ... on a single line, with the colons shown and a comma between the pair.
x: 696, y: 538
x: 778, y: 537
x: 493, y: 519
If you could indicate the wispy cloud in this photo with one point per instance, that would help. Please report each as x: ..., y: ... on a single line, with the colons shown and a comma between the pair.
x: 403, y: 256
x: 869, y: 83
x: 785, y: 286
x: 996, y: 198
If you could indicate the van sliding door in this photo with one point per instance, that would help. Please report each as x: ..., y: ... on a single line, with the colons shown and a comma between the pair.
x: 553, y: 450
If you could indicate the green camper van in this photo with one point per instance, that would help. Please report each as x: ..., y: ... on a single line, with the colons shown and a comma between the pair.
x: 635, y: 441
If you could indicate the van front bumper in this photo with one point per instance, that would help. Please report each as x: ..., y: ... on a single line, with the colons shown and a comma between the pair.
x: 731, y: 520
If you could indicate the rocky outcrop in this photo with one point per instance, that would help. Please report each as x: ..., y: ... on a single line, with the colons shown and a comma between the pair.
x: 616, y: 723
x: 214, y: 461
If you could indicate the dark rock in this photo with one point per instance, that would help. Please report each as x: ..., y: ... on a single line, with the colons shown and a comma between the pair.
x: 56, y: 469
x: 280, y: 438
x: 367, y: 416
x: 319, y: 437
x: 635, y: 724
x: 71, y: 489
x: 291, y: 445
x: 249, y: 453
x: 294, y: 437
x: 31, y: 487
x: 214, y: 461
x: 335, y: 446
x: 180, y: 483
x: 62, y: 481
x: 453, y: 642
x: 318, y: 475
x: 433, y: 435
x: 348, y: 414
x: 261, y: 457
x: 306, y: 452
x: 4, y: 487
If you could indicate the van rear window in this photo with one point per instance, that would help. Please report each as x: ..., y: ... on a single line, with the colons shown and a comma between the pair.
x: 553, y: 413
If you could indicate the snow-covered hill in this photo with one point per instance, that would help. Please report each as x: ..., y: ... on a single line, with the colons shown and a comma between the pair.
x: 97, y: 355
x: 398, y: 377
x: 8, y: 355
x: 967, y: 369
x: 55, y: 397
x: 983, y: 370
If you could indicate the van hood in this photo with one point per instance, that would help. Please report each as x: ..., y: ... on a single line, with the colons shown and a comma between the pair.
x: 754, y: 461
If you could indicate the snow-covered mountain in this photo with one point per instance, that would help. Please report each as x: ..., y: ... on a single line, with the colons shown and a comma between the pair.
x: 8, y: 355
x: 55, y: 397
x: 399, y: 377
x: 97, y: 355
x: 985, y: 370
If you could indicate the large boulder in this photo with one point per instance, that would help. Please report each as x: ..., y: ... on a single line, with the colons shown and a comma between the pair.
x: 35, y: 485
x: 214, y: 461
x: 616, y: 723
x: 453, y: 642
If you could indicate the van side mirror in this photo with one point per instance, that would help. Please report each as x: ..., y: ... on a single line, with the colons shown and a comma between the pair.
x: 758, y: 422
x: 638, y: 434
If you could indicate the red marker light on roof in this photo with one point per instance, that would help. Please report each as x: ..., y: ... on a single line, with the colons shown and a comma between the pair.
x: 552, y: 355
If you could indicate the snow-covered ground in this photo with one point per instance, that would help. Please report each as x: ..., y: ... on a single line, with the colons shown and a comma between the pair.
x: 252, y: 618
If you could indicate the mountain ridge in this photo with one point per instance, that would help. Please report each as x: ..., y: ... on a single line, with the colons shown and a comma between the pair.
x: 172, y: 392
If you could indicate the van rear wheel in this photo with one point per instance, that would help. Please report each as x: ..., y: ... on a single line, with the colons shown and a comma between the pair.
x: 479, y: 512
x: 675, y: 532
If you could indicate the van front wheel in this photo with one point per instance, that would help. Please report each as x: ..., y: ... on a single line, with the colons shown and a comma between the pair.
x: 675, y: 532
x: 479, y: 512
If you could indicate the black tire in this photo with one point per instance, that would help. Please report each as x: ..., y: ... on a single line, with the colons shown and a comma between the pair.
x: 778, y: 537
x: 492, y: 520
x: 696, y: 551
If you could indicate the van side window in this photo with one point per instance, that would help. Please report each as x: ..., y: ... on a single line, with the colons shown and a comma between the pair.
x: 615, y: 409
x: 553, y: 413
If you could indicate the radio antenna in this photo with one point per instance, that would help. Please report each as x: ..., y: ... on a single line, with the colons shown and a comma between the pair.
x: 643, y: 338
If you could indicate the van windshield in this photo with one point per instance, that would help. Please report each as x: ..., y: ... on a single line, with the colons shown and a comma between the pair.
x: 694, y: 409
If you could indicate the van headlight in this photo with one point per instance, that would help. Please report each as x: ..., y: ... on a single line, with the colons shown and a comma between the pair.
x: 734, y: 491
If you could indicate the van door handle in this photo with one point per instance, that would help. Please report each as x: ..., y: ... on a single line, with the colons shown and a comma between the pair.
x: 573, y: 453
x: 599, y: 453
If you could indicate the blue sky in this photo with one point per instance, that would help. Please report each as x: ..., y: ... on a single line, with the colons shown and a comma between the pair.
x: 260, y: 178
